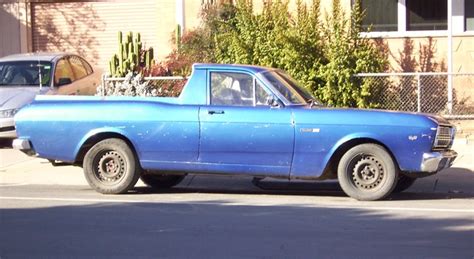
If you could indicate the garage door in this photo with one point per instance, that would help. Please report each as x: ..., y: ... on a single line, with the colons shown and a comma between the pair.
x: 9, y: 25
x: 90, y: 28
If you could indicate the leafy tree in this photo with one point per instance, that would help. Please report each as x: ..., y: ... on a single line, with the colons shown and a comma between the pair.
x: 347, y: 54
x: 322, y: 55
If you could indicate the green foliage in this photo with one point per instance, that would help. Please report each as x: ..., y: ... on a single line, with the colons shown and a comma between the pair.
x: 323, y: 55
x: 347, y: 54
x: 131, y: 56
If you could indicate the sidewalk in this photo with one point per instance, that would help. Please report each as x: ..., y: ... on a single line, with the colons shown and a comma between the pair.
x: 465, y: 149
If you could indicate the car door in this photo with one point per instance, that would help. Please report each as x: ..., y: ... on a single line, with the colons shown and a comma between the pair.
x: 240, y: 131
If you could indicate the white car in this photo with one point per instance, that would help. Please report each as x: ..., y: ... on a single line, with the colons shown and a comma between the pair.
x: 23, y: 76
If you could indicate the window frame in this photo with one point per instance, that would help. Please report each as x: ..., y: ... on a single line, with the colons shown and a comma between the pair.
x: 457, y: 21
x: 255, y: 79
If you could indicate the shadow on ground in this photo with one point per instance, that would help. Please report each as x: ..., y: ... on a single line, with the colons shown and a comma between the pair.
x: 453, y: 183
x: 5, y: 143
x: 220, y: 229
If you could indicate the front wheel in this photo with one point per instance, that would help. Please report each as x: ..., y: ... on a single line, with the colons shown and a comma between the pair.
x: 110, y: 167
x: 367, y: 172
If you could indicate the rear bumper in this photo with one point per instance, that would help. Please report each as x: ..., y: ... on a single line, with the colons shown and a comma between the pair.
x: 436, y: 161
x: 24, y: 146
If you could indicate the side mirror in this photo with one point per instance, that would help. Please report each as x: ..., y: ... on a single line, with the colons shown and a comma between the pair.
x: 64, y: 81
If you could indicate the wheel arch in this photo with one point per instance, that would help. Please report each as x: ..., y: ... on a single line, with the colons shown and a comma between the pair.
x: 330, y: 170
x: 91, y: 139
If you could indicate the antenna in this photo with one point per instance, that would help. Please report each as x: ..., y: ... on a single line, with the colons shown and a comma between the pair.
x: 39, y: 75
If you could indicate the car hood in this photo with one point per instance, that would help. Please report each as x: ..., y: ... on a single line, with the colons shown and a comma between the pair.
x: 437, y: 118
x: 17, y: 97
x: 354, y: 116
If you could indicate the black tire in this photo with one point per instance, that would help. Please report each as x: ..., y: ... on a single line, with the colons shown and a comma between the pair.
x: 404, y: 182
x: 161, y: 181
x: 367, y: 172
x: 110, y: 167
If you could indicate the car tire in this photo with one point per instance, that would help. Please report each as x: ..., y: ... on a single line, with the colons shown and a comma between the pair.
x: 111, y: 167
x: 367, y: 172
x: 161, y: 181
x: 404, y: 182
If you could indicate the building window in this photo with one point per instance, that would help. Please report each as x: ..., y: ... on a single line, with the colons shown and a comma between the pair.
x: 381, y: 15
x: 469, y: 14
x: 427, y: 16
x: 421, y: 18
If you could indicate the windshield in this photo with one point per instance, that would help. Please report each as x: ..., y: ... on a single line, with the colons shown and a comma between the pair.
x: 25, y: 73
x: 289, y: 88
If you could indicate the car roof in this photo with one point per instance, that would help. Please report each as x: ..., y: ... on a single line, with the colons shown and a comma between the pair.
x: 252, y: 68
x: 40, y: 56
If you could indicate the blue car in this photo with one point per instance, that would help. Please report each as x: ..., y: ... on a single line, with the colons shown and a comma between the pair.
x: 235, y: 119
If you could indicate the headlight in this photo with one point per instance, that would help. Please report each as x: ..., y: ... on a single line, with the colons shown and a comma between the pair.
x: 8, y: 113
x: 444, y: 137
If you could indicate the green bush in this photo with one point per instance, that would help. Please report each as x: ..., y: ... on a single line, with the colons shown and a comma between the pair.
x: 347, y: 54
x: 321, y: 54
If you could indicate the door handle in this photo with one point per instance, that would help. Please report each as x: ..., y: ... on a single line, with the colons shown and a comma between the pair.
x: 215, y: 112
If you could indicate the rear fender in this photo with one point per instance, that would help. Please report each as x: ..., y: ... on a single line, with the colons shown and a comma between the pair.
x: 104, y: 130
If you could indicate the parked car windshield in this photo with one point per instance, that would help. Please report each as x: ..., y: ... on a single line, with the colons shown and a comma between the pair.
x: 25, y: 73
x: 289, y: 88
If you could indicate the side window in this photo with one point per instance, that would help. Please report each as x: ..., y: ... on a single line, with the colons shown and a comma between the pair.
x: 63, y: 71
x: 237, y: 89
x: 77, y: 67
x: 87, y: 66
x: 262, y: 97
x: 231, y: 89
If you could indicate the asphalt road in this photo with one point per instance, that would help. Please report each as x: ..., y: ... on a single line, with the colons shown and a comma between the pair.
x: 49, y: 212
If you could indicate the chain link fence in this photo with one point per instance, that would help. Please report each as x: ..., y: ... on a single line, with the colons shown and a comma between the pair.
x: 160, y: 86
x: 423, y: 92
x: 413, y: 92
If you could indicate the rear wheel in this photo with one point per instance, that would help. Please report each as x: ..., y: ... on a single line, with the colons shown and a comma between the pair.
x: 110, y: 167
x: 404, y: 182
x: 367, y: 172
x: 161, y: 181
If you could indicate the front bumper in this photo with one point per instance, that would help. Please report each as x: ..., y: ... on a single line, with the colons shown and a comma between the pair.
x: 24, y: 146
x: 7, y: 128
x: 436, y: 161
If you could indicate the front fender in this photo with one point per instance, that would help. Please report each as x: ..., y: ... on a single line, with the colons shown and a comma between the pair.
x: 354, y: 138
x: 313, y: 153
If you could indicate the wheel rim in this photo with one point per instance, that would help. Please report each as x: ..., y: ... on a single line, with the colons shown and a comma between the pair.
x: 110, y: 167
x: 367, y: 172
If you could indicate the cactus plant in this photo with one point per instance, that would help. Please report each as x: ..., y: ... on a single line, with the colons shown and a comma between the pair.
x: 131, y: 56
x: 178, y: 37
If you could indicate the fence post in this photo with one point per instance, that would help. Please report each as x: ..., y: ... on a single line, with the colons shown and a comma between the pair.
x: 450, y: 93
x: 103, y: 84
x: 418, y: 92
